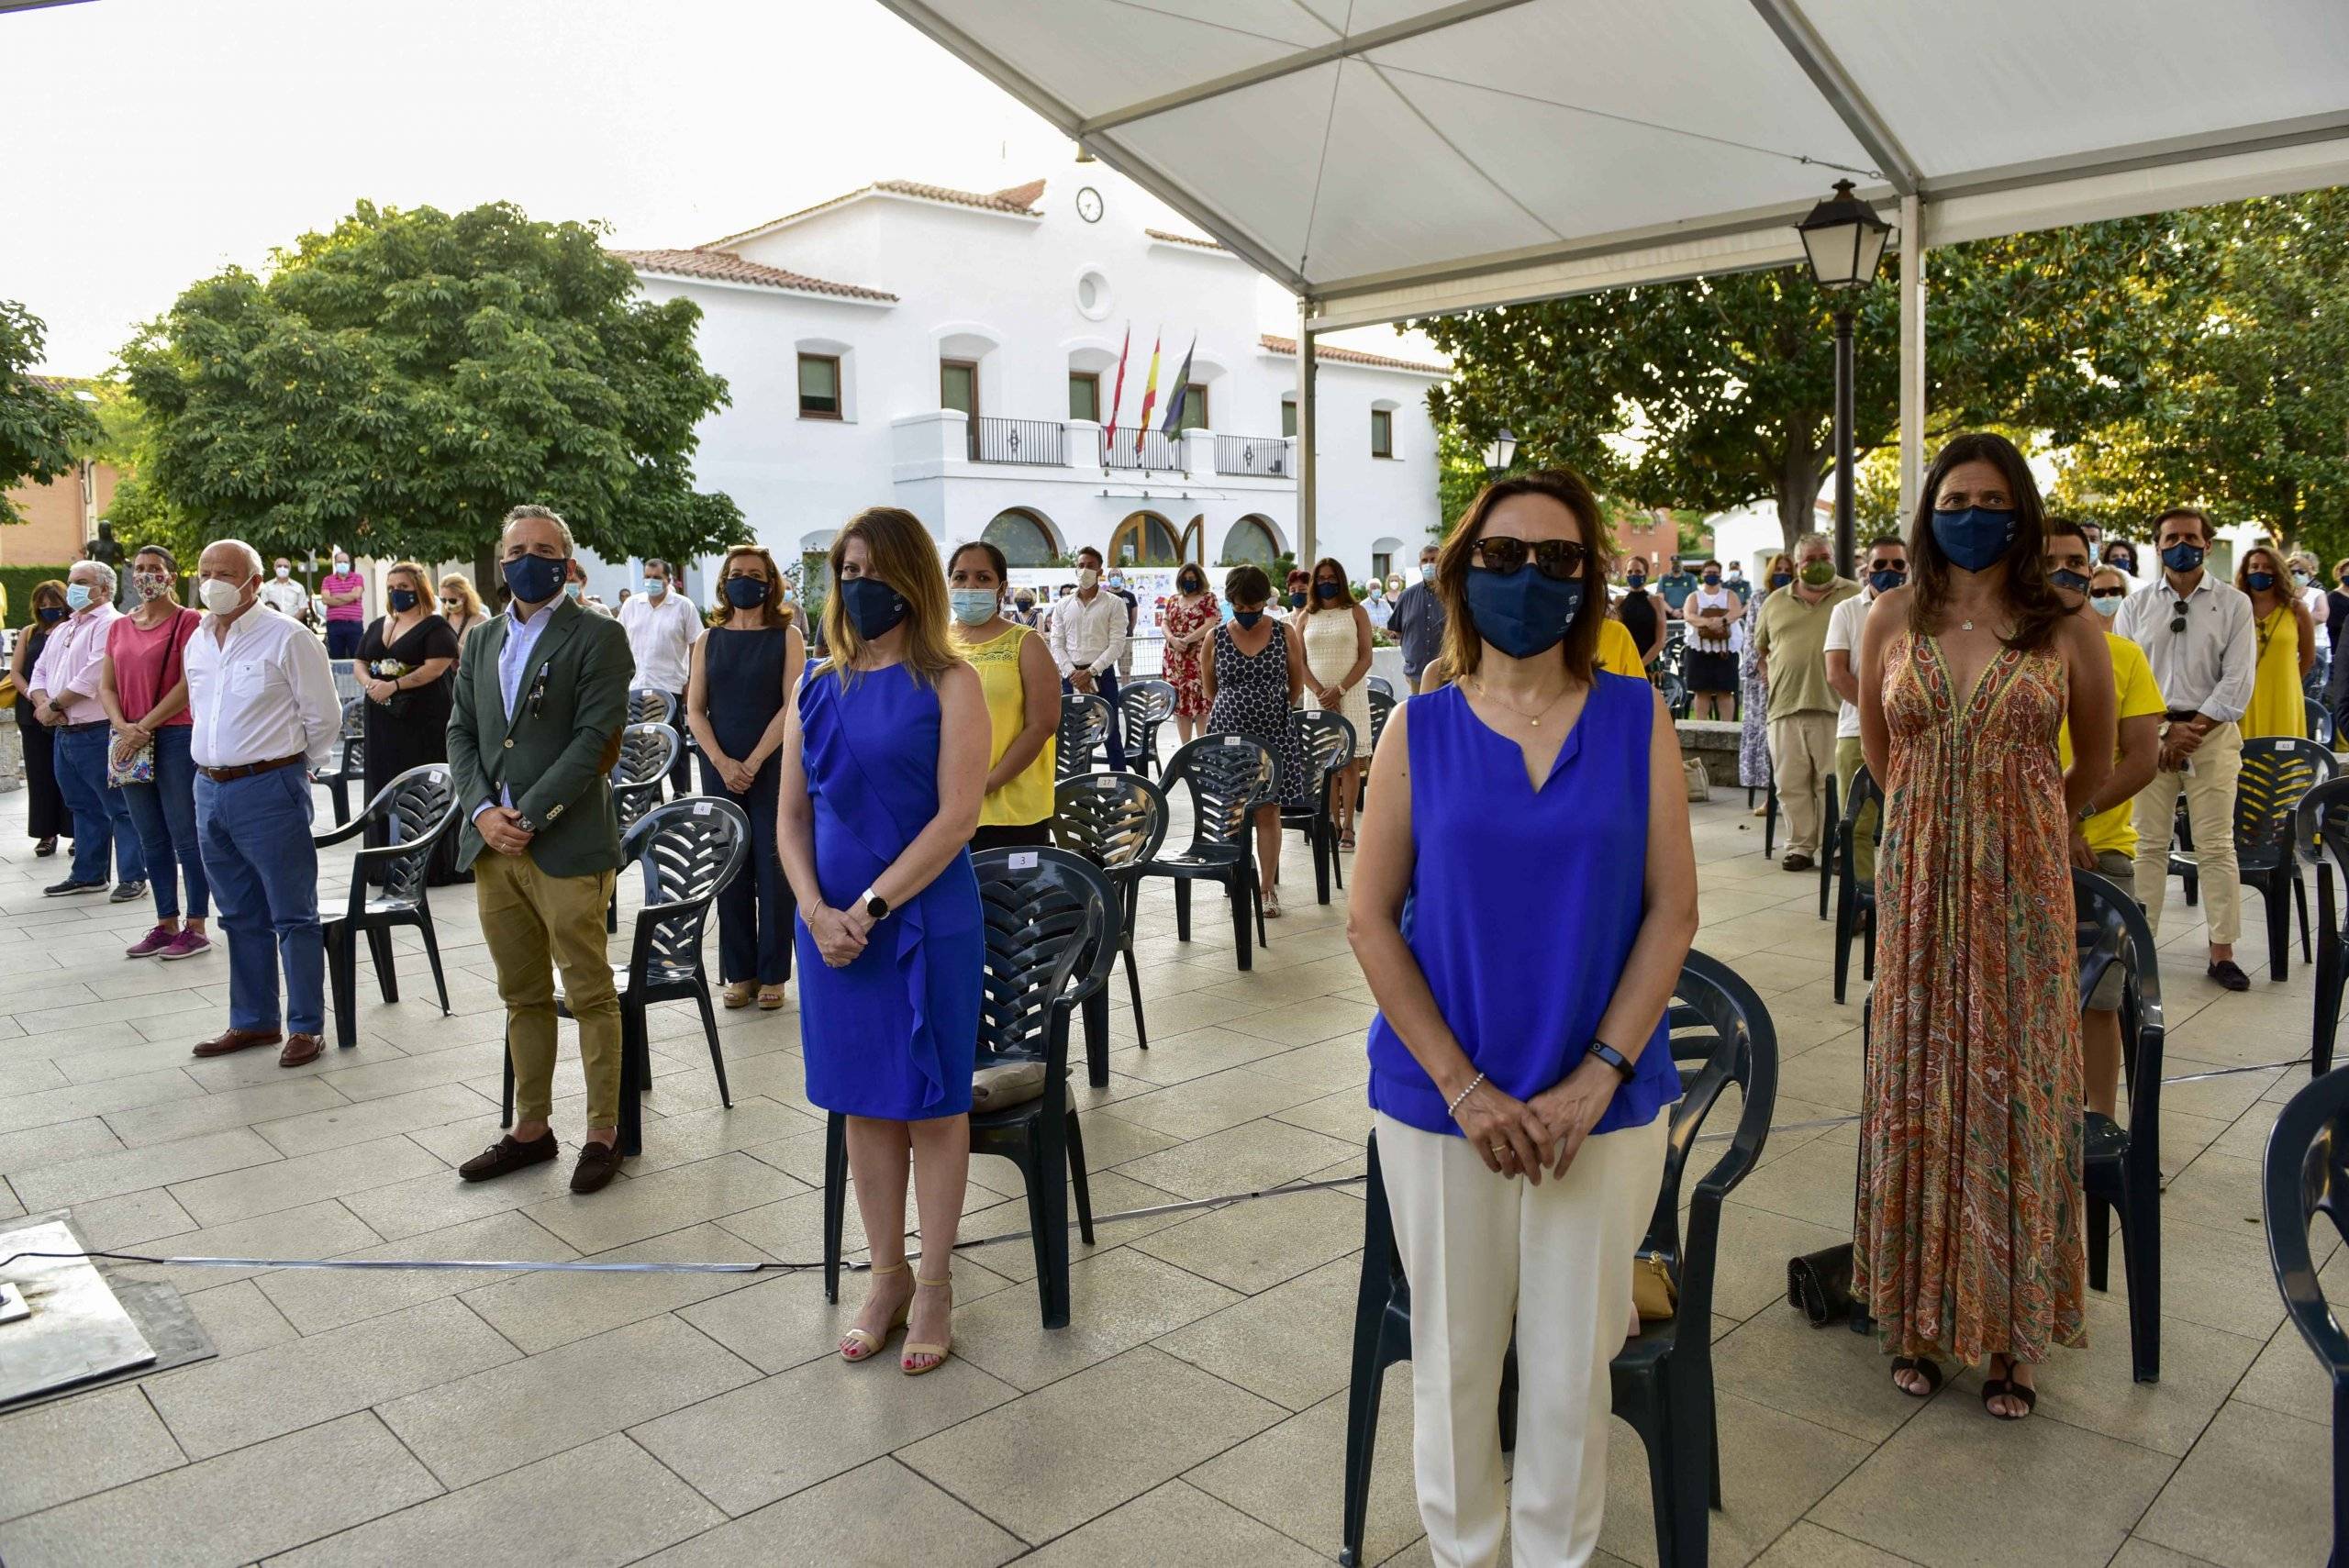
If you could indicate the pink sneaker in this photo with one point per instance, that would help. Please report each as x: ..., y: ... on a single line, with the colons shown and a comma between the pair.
x: 188, y: 944
x: 150, y: 944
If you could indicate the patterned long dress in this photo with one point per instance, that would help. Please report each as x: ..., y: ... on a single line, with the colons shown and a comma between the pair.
x: 1182, y: 664
x: 1969, y: 1236
x: 1753, y: 706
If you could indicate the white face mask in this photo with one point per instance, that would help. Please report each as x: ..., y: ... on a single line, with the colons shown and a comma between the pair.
x: 340, y: 564
x: 221, y: 595
x: 283, y: 572
x: 1086, y: 577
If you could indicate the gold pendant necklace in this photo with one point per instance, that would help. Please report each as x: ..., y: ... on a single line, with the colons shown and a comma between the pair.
x: 1532, y: 718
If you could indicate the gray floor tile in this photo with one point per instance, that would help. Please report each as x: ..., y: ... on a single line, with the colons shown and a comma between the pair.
x: 662, y: 1201
x: 73, y: 1448
x: 879, y: 1515
x: 2240, y: 1498
x: 1171, y: 1525
x: 131, y: 1170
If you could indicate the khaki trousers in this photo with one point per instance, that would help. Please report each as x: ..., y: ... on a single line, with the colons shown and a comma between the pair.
x: 1850, y: 760
x: 1802, y: 753
x: 1485, y: 1251
x: 2208, y: 784
x: 535, y: 924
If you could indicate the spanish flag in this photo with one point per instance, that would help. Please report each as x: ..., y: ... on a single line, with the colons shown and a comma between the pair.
x: 1149, y: 397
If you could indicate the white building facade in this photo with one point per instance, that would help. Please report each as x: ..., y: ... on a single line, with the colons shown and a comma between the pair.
x: 956, y: 354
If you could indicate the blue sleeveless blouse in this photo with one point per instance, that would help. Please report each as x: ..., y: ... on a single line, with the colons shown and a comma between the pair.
x: 1524, y: 906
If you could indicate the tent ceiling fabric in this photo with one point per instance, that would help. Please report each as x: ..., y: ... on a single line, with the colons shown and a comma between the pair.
x: 1395, y: 156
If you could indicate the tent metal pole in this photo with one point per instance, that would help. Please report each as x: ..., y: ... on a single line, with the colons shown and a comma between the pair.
x: 1912, y: 355
x: 1309, y: 468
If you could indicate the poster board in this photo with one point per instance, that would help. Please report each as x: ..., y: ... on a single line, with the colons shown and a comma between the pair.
x: 1152, y: 588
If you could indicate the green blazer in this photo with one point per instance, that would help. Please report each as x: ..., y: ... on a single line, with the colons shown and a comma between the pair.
x: 554, y: 754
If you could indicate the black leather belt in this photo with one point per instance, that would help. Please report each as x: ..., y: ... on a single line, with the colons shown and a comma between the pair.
x: 86, y: 724
x: 247, y: 769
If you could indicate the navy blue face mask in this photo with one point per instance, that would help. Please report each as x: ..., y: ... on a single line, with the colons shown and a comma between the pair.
x: 403, y: 599
x: 746, y: 593
x: 1886, y: 578
x: 2259, y: 582
x: 50, y: 615
x: 2182, y: 557
x: 874, y: 608
x: 1636, y: 581
x: 2071, y: 580
x: 1975, y: 538
x: 1780, y: 579
x: 534, y: 579
x: 1523, y: 613
x: 1325, y: 590
x: 1246, y: 620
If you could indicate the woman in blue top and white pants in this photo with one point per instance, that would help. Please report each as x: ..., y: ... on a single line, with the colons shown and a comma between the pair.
x: 1523, y: 898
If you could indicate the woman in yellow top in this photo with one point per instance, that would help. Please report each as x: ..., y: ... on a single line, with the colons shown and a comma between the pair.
x: 1023, y: 693
x: 2286, y: 646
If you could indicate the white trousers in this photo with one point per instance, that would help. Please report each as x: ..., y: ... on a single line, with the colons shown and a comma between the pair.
x: 2209, y: 785
x: 1483, y: 1252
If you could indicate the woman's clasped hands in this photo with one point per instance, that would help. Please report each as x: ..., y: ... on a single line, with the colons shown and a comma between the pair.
x: 1516, y: 1137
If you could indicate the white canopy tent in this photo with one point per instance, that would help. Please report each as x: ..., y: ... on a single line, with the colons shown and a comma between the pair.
x: 1386, y: 159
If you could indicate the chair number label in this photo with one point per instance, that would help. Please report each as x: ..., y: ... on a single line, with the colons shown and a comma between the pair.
x: 701, y: 808
x: 1024, y: 860
x: 1234, y: 739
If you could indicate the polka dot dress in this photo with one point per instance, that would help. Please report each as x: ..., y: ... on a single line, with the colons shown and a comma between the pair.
x: 1252, y: 699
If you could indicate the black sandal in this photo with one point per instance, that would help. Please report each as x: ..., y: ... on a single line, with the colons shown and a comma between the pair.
x: 2007, y: 1388
x: 1925, y: 1367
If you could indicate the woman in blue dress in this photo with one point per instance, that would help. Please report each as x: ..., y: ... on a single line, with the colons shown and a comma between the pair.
x: 883, y: 764
x: 1532, y: 818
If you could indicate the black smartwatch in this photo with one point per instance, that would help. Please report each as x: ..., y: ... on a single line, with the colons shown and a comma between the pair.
x: 875, y: 904
x: 1612, y: 1057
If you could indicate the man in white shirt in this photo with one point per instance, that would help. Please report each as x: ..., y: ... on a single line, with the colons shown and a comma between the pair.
x: 260, y: 695
x: 2198, y: 636
x: 63, y: 689
x: 1888, y: 568
x: 1088, y: 638
x: 283, y: 595
x: 662, y: 626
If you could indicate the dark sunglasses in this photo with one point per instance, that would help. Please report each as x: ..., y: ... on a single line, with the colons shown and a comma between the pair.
x: 1557, y: 558
x: 2177, y: 616
x: 2107, y: 593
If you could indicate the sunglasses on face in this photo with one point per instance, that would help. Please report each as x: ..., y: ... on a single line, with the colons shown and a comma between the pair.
x: 1557, y: 558
x: 2107, y: 593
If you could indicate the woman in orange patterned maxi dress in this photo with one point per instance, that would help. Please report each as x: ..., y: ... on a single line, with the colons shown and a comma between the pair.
x: 1968, y: 1238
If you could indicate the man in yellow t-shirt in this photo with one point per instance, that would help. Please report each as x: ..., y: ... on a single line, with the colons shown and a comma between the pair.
x: 2105, y: 840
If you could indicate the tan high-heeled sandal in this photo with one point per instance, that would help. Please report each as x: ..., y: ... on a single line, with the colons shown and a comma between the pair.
x: 913, y: 1348
x: 770, y: 998
x: 873, y: 1345
x: 738, y: 994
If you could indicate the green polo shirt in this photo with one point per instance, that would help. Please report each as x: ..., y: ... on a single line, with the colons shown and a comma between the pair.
x: 1792, y: 637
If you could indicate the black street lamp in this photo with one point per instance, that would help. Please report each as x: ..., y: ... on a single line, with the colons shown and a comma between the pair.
x: 1499, y: 453
x: 1843, y: 240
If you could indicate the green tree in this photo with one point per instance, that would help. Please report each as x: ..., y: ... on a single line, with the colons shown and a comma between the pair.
x: 397, y: 384
x: 43, y: 432
x: 2248, y: 409
x: 1712, y: 392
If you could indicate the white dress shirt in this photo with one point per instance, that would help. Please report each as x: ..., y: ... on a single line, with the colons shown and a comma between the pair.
x: 1847, y: 624
x: 285, y: 596
x: 267, y: 694
x: 2208, y: 667
x: 1088, y: 633
x: 661, y: 633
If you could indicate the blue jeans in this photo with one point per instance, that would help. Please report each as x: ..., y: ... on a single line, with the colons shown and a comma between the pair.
x: 101, y: 817
x: 164, y: 812
x: 343, y: 638
x: 265, y: 874
x: 1104, y: 686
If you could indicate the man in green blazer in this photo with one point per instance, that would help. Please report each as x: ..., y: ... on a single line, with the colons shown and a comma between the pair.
x: 542, y: 698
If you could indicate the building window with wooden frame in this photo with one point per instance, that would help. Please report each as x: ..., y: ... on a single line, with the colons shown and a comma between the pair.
x: 820, y: 386
x: 1289, y: 417
x: 1195, y: 407
x: 1084, y: 396
x: 1382, y: 432
x: 958, y: 385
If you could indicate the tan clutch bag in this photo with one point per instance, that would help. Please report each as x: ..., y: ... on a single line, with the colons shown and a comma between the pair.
x: 1652, y: 1292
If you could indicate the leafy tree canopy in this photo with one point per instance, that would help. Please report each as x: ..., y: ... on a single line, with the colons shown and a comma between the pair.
x: 397, y: 384
x: 42, y: 432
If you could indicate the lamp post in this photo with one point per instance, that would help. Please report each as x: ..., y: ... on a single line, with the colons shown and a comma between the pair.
x: 1499, y: 453
x: 1844, y: 241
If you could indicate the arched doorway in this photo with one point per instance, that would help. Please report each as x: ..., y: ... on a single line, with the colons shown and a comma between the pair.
x: 1194, y: 539
x: 1251, y: 540
x: 1145, y: 539
x: 1025, y: 539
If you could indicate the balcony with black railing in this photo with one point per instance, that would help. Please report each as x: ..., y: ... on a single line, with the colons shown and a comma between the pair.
x: 1152, y: 451
x: 1266, y: 457
x: 1037, y: 442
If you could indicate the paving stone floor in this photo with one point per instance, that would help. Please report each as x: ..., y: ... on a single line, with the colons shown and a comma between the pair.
x: 1193, y: 1411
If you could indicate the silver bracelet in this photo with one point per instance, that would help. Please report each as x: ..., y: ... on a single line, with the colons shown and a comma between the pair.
x: 1453, y: 1109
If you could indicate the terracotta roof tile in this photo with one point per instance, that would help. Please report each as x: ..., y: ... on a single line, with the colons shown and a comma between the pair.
x: 1353, y: 357
x: 1019, y: 201
x: 722, y: 267
x: 65, y: 386
x: 1169, y: 237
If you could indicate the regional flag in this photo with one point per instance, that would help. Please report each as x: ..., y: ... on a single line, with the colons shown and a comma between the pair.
x: 1182, y: 388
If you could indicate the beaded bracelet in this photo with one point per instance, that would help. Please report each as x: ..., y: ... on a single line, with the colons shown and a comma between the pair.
x: 1453, y: 1109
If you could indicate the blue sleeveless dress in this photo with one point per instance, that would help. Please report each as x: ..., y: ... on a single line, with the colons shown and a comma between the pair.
x: 1524, y: 907
x: 895, y: 1033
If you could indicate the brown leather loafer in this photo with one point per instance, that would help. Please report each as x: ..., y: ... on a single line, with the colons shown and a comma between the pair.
x: 301, y: 1050
x: 236, y: 1039
x: 506, y: 1156
x: 599, y: 1164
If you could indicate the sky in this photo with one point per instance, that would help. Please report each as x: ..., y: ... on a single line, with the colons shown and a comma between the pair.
x: 149, y: 143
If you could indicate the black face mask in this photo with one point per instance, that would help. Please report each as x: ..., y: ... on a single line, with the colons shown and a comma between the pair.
x: 403, y: 599
x: 50, y: 615
x: 1246, y: 620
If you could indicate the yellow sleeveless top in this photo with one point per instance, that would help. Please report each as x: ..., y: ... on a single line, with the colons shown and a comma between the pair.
x: 2278, y: 705
x: 1026, y: 798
